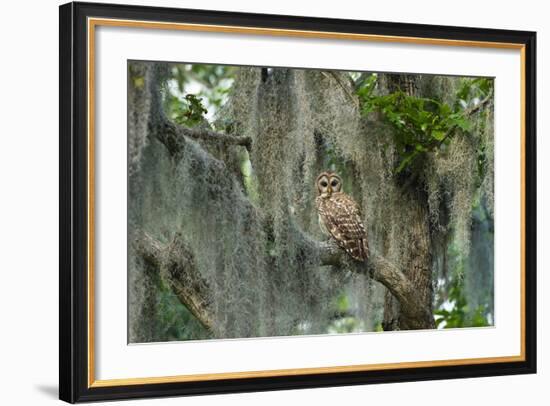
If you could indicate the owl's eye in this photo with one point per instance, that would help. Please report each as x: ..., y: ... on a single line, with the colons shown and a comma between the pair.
x: 324, y: 184
x: 334, y: 183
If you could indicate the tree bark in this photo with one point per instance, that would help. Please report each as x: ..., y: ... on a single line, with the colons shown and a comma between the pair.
x: 176, y: 264
x: 418, y: 263
x: 418, y: 271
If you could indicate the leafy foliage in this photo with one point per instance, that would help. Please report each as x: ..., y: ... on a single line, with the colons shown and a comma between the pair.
x: 343, y: 321
x: 211, y: 82
x: 457, y: 302
x: 472, y: 91
x: 421, y: 124
x: 189, y: 111
x: 459, y: 314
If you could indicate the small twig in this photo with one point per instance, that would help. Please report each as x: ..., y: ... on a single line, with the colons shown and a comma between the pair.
x: 481, y: 104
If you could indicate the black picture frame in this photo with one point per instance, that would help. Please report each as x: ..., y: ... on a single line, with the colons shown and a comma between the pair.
x: 73, y: 284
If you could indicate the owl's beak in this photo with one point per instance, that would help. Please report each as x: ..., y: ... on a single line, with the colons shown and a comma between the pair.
x: 329, y: 190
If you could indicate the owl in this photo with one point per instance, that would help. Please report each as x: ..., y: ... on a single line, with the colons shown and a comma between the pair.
x: 340, y: 216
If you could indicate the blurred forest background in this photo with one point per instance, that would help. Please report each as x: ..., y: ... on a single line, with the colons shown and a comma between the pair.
x: 223, y: 233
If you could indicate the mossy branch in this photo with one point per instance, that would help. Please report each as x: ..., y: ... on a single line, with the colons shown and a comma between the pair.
x: 171, y: 135
x: 381, y: 270
x: 352, y: 98
x: 176, y: 264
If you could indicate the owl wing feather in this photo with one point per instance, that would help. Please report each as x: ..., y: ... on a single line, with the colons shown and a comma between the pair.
x: 342, y: 218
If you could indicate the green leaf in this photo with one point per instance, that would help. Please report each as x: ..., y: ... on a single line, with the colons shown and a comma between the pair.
x: 463, y: 123
x: 439, y: 135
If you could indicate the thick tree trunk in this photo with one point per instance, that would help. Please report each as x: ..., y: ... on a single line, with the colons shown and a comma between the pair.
x: 418, y: 270
x: 418, y: 264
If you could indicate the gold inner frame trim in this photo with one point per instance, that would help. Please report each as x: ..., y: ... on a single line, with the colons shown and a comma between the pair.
x: 94, y: 22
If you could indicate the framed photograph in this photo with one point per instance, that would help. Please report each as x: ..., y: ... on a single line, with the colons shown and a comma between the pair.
x: 255, y: 202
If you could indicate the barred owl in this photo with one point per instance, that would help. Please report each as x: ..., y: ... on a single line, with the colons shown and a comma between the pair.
x: 340, y: 216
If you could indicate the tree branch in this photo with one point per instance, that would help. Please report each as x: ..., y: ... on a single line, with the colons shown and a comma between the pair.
x: 346, y: 90
x: 209, y: 135
x: 176, y: 264
x: 171, y: 134
x: 481, y: 104
x: 383, y: 271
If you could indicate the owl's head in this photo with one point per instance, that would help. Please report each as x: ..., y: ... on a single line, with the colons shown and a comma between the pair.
x: 328, y: 183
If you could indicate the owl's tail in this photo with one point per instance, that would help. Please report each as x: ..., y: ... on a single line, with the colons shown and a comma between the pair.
x: 357, y: 249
